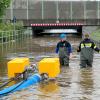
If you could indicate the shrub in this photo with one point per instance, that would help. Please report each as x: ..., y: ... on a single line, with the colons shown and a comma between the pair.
x: 8, y: 27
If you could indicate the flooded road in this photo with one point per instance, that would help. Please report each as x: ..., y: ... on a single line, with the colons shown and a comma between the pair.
x: 72, y: 83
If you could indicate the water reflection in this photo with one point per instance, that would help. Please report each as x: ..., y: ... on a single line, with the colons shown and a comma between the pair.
x: 73, y: 83
x: 86, y: 83
x: 48, y: 87
x: 64, y: 79
x: 49, y: 90
x: 3, y: 68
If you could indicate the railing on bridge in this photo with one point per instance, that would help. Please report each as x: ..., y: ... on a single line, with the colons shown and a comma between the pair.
x: 84, y: 22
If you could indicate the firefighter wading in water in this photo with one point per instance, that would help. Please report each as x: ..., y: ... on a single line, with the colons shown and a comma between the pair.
x: 86, y: 49
x: 64, y: 49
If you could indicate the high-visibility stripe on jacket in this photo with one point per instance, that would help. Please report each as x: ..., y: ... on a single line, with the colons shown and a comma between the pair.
x: 88, y: 43
x: 86, y: 49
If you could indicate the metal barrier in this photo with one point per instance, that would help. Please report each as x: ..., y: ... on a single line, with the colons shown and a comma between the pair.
x: 11, y: 41
x: 9, y: 36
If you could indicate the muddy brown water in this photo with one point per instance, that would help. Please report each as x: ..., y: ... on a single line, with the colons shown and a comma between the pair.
x: 72, y: 83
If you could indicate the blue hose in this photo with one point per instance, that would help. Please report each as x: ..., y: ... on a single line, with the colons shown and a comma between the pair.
x: 22, y: 85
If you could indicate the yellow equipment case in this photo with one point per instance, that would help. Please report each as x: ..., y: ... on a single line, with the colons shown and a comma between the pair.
x: 49, y: 66
x: 17, y: 65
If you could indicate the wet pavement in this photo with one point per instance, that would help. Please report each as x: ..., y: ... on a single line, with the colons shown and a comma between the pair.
x: 73, y: 83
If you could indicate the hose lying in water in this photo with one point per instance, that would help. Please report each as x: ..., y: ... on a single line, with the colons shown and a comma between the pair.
x: 11, y: 90
x: 22, y: 85
x: 12, y: 79
x: 6, y: 83
x: 33, y: 79
x: 24, y: 74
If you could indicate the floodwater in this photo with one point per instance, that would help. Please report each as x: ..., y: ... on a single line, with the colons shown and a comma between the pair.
x: 72, y: 83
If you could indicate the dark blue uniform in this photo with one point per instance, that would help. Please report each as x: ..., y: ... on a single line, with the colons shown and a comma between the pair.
x: 64, y: 50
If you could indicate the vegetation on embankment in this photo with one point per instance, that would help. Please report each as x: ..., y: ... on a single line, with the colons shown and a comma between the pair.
x: 8, y: 27
x: 95, y: 35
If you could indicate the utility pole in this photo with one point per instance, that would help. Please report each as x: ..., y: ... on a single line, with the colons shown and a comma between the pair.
x: 57, y: 11
x: 14, y: 22
x: 98, y: 16
x: 11, y: 9
x: 27, y: 10
x: 85, y: 10
x: 71, y: 10
x: 42, y: 10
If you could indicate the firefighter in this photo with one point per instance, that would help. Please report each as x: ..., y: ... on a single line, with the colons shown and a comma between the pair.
x: 63, y: 48
x: 86, y: 49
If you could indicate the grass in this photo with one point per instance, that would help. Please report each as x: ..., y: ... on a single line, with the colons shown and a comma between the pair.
x: 95, y: 35
x: 8, y: 27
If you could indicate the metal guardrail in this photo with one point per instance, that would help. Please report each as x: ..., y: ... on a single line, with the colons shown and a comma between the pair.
x: 13, y: 41
x: 9, y: 36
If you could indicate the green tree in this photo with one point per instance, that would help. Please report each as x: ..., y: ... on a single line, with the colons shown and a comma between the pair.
x: 3, y: 5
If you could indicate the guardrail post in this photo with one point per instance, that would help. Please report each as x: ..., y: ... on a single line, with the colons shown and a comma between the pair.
x: 2, y: 37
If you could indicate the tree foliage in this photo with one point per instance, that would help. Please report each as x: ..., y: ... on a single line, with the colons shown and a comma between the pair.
x: 3, y: 5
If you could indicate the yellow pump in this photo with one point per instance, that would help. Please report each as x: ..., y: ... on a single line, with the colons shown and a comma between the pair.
x: 49, y: 66
x: 17, y: 65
